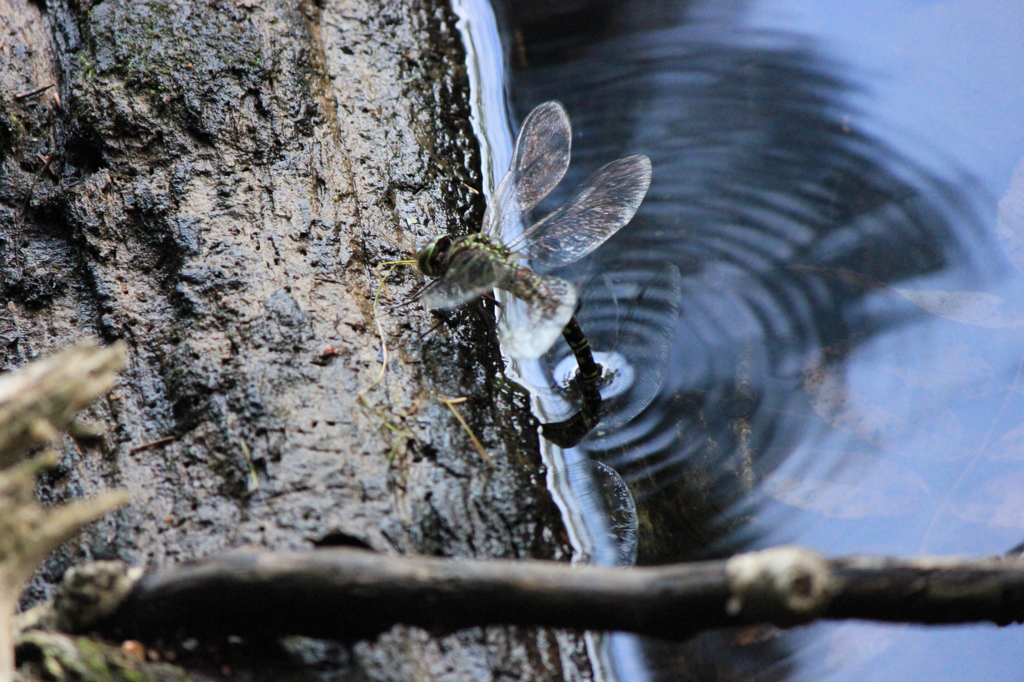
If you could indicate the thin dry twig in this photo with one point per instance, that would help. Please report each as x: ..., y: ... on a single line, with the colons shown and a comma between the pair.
x: 253, y: 483
x: 451, y: 403
x: 34, y: 91
x: 352, y: 594
x: 32, y: 188
x: 152, y: 444
x: 44, y: 396
x: 35, y: 402
x: 376, y: 320
x: 399, y: 432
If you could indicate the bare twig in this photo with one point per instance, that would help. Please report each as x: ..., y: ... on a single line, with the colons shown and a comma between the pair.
x: 381, y: 285
x: 451, y: 403
x: 34, y: 403
x: 152, y: 444
x: 44, y: 396
x: 347, y: 593
x: 29, y: 532
x: 47, y: 160
x: 34, y: 91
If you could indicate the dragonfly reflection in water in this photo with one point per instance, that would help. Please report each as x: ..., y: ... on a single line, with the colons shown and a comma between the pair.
x: 466, y: 267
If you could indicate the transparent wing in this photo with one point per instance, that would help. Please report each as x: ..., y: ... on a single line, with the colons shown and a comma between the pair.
x: 539, y: 162
x: 597, y: 210
x: 531, y: 325
x: 471, y: 273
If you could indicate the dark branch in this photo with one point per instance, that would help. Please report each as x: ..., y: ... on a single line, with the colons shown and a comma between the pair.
x: 352, y: 594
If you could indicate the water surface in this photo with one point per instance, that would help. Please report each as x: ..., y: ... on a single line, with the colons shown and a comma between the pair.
x: 841, y: 186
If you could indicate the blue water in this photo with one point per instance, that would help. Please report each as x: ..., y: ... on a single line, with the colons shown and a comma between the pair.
x: 942, y: 84
x: 841, y: 186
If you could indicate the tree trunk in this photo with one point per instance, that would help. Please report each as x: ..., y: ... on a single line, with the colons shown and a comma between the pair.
x: 215, y: 182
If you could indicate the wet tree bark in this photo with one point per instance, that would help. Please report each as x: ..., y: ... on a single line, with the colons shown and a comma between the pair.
x: 214, y: 182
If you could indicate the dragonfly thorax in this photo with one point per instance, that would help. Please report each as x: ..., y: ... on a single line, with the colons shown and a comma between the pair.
x: 434, y: 258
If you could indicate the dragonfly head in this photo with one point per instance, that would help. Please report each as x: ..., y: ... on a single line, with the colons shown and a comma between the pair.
x: 433, y: 258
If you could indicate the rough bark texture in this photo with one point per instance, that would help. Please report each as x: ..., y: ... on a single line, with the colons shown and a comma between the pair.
x: 214, y: 182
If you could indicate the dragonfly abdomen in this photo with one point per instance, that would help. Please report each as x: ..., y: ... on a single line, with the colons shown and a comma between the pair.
x: 569, y: 432
x: 526, y: 284
x: 588, y: 369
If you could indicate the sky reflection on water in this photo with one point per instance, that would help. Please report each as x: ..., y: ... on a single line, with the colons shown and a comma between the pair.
x: 847, y: 371
x: 944, y: 85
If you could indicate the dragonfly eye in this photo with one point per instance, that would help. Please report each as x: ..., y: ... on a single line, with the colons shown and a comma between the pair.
x: 431, y: 258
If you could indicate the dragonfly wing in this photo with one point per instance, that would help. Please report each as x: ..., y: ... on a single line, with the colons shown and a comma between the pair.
x: 471, y: 273
x: 541, y: 156
x: 539, y: 162
x: 598, y: 209
x: 532, y: 324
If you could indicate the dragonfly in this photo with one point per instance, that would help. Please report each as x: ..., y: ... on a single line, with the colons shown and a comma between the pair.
x: 463, y: 268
